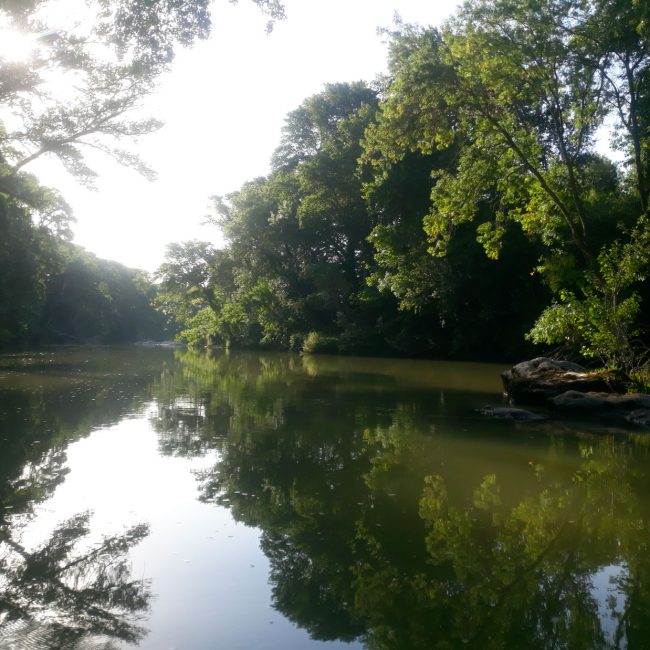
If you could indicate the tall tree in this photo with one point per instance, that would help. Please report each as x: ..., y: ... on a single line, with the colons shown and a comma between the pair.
x: 64, y: 92
x: 521, y: 89
x: 297, y: 240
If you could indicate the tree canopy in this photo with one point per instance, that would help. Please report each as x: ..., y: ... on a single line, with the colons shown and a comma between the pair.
x: 521, y: 92
x: 487, y: 134
x: 75, y: 89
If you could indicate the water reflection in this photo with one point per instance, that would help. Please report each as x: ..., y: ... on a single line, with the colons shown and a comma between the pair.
x: 61, y: 592
x: 65, y: 588
x: 403, y: 521
x: 391, y: 516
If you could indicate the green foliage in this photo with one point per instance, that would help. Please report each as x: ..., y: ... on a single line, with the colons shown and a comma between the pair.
x: 316, y: 343
x: 77, y: 90
x: 94, y: 300
x: 316, y: 246
x: 560, y: 324
x: 200, y: 328
x: 185, y: 294
x: 24, y: 262
x: 446, y: 209
x: 296, y: 341
x: 602, y: 323
x: 517, y: 91
x: 641, y: 379
x: 297, y: 239
x: 52, y: 291
x: 499, y: 83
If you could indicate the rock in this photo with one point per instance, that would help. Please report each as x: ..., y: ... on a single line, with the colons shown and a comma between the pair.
x: 508, y: 413
x: 544, y: 364
x: 577, y: 403
x: 633, y: 408
x: 537, y: 380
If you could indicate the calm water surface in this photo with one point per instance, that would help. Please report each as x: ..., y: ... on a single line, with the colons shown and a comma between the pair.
x: 160, y: 499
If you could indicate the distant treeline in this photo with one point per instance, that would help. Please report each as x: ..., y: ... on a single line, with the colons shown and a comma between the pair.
x: 461, y: 207
x: 52, y: 291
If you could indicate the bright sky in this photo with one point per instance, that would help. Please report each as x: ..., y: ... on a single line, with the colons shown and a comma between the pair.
x: 223, y: 106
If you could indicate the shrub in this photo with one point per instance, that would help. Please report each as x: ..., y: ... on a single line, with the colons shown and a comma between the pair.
x: 316, y: 343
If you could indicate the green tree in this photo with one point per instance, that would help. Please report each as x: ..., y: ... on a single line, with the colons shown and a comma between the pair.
x: 195, y: 281
x: 521, y: 89
x: 92, y: 300
x: 73, y: 92
x: 21, y: 283
x: 297, y: 241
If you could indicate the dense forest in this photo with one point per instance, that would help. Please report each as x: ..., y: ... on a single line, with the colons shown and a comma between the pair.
x: 489, y: 194
x: 466, y: 205
x: 69, y: 87
x: 52, y: 291
x: 322, y: 258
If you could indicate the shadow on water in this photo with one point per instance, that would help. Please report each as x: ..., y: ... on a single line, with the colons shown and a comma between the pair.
x: 389, y: 518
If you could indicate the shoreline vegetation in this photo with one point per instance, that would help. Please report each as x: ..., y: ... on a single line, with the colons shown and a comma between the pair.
x: 464, y: 206
x: 460, y: 208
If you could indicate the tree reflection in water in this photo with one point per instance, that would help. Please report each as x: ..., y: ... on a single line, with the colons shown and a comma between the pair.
x: 60, y: 592
x: 65, y: 592
x: 499, y: 575
x: 375, y: 531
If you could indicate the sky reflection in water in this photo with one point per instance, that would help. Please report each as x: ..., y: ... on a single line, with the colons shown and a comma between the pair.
x: 288, y: 502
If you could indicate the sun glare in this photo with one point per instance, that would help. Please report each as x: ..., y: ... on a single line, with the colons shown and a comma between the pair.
x: 16, y: 46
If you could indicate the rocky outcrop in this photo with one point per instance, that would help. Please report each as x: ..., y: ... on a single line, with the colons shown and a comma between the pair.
x: 544, y: 364
x: 537, y: 380
x: 570, y: 391
x: 633, y: 408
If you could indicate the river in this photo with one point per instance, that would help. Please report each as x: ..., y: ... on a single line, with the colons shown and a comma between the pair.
x: 163, y: 499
